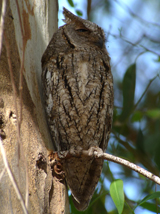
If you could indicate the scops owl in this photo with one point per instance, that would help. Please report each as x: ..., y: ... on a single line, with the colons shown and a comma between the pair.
x: 78, y: 92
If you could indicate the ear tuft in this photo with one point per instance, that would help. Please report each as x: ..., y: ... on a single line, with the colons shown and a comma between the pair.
x: 69, y: 17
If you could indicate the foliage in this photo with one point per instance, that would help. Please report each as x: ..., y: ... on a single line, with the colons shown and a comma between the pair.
x: 117, y: 194
x: 133, y: 44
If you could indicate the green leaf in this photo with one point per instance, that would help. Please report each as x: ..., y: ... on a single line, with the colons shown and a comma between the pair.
x: 117, y: 194
x: 128, y: 92
x: 151, y: 207
x: 71, y: 3
x: 137, y: 116
x: 148, y: 197
x: 79, y: 13
x: 154, y: 113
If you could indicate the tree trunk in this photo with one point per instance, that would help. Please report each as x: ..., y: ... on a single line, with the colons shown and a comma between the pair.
x: 28, y: 28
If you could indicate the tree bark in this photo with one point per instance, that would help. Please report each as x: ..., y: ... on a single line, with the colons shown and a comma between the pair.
x: 28, y: 28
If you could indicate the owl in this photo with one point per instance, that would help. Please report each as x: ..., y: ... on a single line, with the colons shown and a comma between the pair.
x: 78, y: 95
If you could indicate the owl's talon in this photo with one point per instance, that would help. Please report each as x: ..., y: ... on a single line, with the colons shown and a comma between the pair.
x: 63, y: 154
x: 57, y: 166
x: 95, y: 151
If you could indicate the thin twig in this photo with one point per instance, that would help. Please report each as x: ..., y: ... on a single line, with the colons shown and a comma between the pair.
x: 13, y: 181
x: 145, y: 91
x: 144, y: 159
x: 132, y: 166
x: 136, y: 44
x: 136, y: 15
x: 88, y: 8
x: 128, y: 48
x: 4, y: 2
x: 108, y: 33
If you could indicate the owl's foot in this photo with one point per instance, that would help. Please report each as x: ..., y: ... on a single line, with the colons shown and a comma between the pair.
x: 56, y: 165
x: 95, y: 151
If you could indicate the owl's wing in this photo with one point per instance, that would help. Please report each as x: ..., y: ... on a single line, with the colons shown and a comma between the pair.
x: 47, y: 81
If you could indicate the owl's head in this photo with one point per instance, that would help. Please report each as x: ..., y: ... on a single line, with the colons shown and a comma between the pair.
x: 82, y: 33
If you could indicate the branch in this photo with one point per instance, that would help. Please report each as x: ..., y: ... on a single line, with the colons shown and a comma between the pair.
x: 132, y: 166
x: 99, y: 154
x: 144, y: 159
x: 145, y: 91
x: 136, y: 15
x: 11, y: 176
x: 88, y: 8
x: 136, y: 44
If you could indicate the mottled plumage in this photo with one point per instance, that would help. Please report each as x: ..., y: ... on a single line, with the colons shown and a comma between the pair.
x: 78, y: 92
